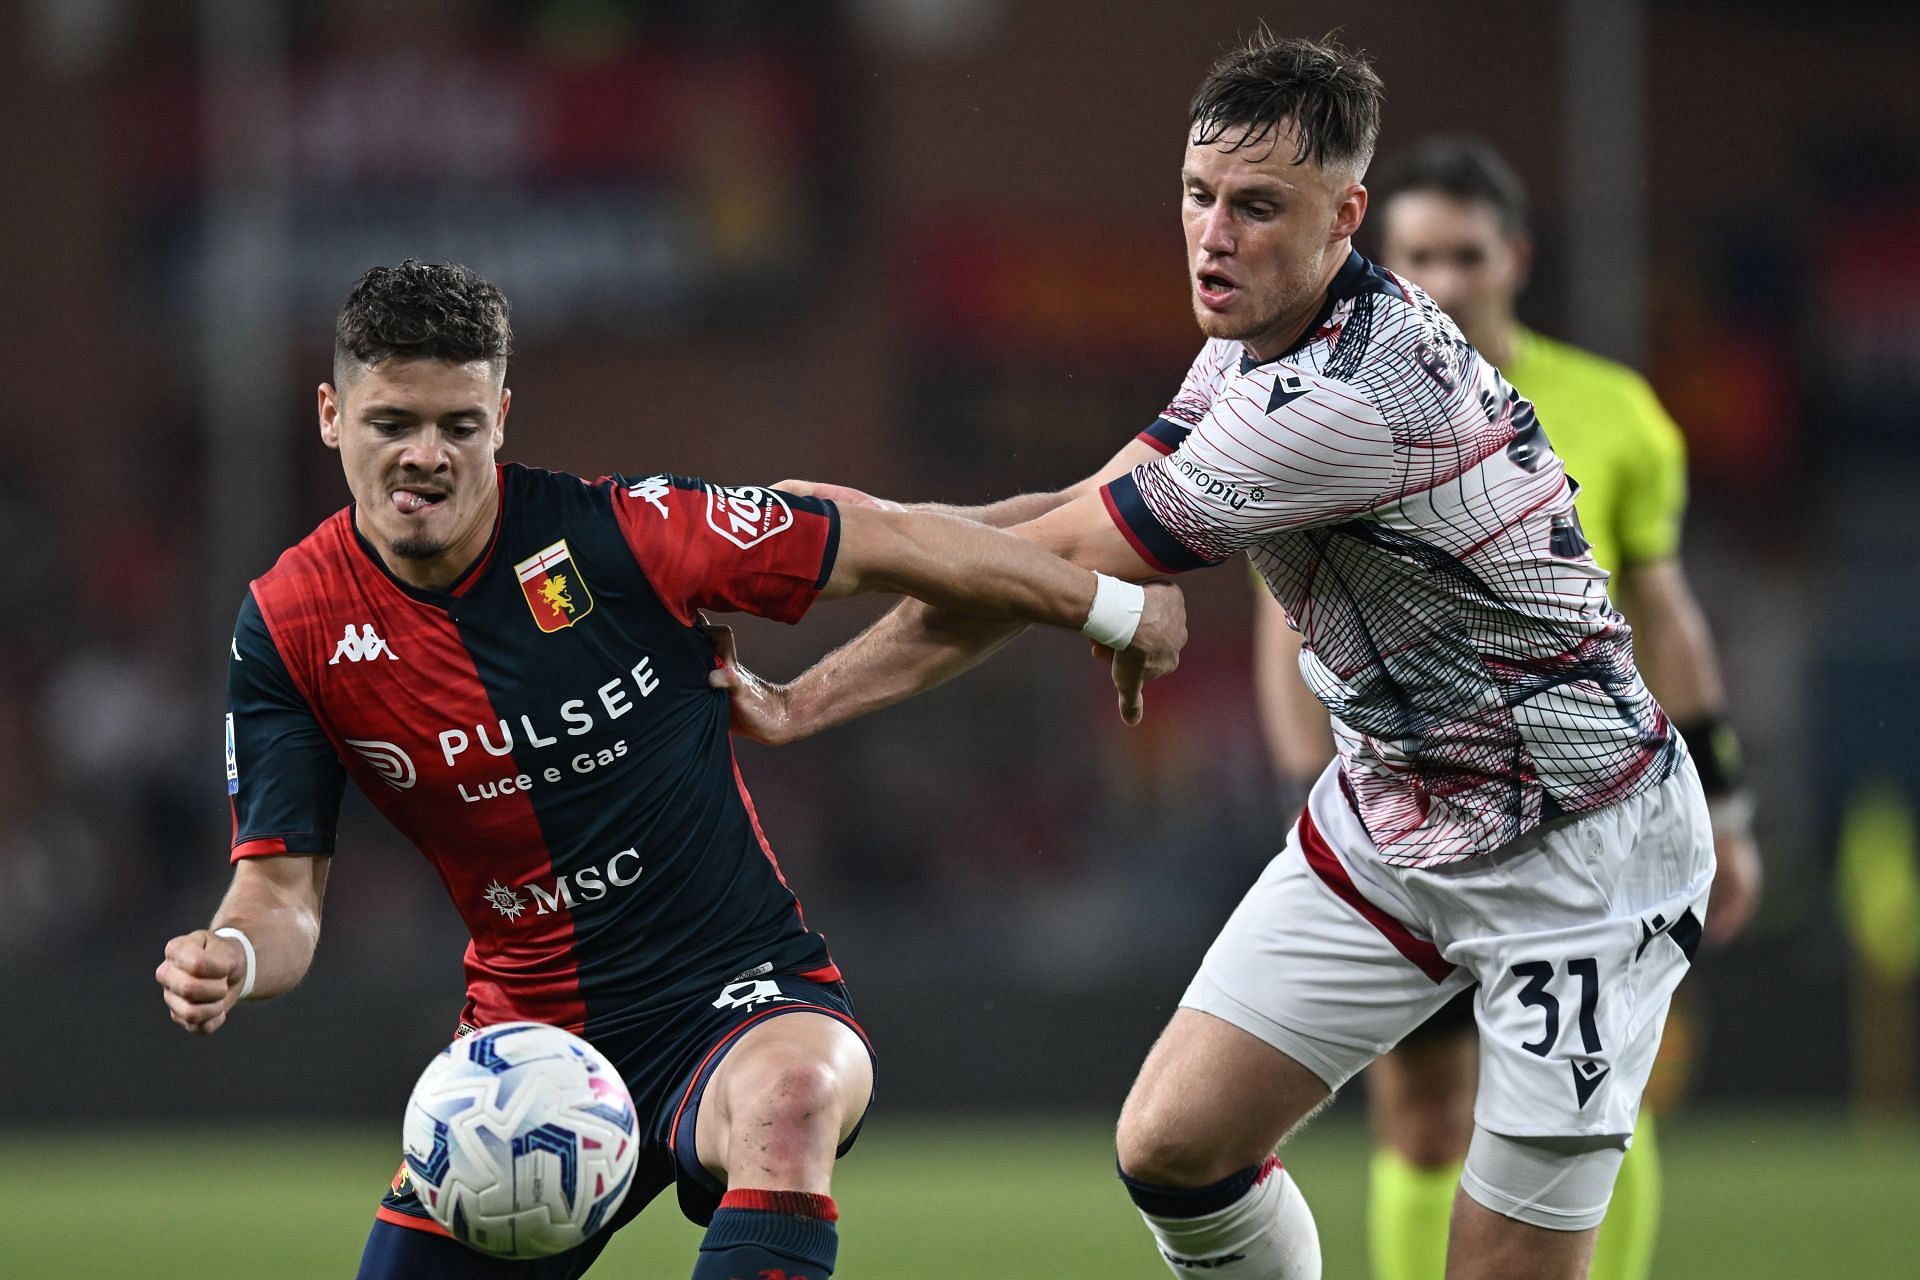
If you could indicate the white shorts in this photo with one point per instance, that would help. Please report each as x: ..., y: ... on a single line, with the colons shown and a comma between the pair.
x: 1577, y: 933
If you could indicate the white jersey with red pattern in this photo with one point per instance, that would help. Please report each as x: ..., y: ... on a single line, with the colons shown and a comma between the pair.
x: 1403, y: 504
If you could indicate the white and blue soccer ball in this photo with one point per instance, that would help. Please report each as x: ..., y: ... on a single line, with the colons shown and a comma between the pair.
x: 521, y: 1140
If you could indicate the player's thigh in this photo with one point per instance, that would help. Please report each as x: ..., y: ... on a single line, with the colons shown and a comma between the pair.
x: 1209, y: 1100
x: 1576, y: 982
x: 1319, y: 967
x: 798, y: 1068
x: 1485, y: 1244
x: 1301, y: 989
x: 1420, y: 1093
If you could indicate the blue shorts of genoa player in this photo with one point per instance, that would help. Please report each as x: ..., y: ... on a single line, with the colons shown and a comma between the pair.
x: 667, y: 1064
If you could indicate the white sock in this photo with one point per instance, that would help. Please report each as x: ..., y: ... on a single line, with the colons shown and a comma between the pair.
x: 1267, y: 1234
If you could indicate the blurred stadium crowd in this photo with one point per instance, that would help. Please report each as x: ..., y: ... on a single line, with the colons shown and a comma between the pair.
x: 929, y: 249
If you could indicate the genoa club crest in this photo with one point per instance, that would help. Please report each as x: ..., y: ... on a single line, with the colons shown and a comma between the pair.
x: 554, y: 589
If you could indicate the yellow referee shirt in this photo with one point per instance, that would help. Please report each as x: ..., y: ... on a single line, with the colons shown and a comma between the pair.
x: 1615, y: 439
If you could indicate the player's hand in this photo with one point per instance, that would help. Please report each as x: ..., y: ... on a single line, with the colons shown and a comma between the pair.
x: 1736, y: 885
x: 201, y: 979
x: 756, y: 709
x: 1155, y: 650
x: 845, y: 495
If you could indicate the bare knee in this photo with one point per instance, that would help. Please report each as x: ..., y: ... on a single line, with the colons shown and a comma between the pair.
x: 789, y: 1096
x: 1158, y: 1150
x: 1210, y: 1100
x: 781, y: 1103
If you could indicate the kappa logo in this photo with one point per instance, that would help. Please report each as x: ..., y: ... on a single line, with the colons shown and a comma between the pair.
x: 747, y: 515
x: 363, y: 647
x: 653, y: 491
x: 393, y: 765
x: 750, y: 994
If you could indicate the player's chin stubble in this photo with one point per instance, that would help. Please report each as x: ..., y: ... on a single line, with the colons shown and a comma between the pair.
x: 417, y: 547
x: 1227, y: 328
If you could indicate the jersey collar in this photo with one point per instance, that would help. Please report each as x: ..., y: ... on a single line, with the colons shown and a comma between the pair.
x: 1357, y: 276
x: 468, y: 576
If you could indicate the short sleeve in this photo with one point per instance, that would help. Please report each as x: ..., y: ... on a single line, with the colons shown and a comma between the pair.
x: 708, y: 546
x: 1195, y: 397
x: 284, y: 780
x: 1653, y: 490
x: 1278, y: 450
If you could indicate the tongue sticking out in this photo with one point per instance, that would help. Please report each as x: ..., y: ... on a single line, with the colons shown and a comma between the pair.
x: 409, y: 503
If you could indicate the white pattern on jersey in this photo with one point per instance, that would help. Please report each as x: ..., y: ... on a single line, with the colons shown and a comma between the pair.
x: 1402, y: 503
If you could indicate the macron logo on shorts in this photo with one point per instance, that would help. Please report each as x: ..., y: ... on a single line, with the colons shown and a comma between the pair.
x: 1587, y: 1075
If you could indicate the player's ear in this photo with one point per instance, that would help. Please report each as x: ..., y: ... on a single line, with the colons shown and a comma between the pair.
x: 1349, y: 213
x: 1522, y: 246
x: 500, y: 420
x: 329, y: 416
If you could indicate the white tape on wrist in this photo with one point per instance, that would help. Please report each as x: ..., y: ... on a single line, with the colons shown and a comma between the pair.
x: 1116, y: 611
x: 246, y: 945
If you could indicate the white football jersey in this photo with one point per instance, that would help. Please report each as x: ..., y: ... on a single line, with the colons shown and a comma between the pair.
x: 1404, y: 505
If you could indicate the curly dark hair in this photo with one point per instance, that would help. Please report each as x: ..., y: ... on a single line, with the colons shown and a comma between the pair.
x: 1461, y: 166
x: 422, y: 311
x: 1331, y: 95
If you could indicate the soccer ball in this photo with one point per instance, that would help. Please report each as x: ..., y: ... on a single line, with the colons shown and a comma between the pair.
x: 520, y: 1139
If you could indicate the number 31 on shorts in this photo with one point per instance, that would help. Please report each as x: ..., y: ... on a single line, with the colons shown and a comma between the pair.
x: 1537, y: 993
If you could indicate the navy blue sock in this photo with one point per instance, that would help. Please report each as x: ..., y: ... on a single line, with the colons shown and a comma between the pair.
x: 770, y: 1235
x: 1193, y: 1202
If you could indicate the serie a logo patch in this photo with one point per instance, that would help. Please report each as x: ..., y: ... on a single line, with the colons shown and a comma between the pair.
x: 553, y: 587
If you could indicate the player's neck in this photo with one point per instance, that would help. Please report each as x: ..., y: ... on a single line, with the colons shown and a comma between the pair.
x: 438, y: 572
x: 1285, y: 334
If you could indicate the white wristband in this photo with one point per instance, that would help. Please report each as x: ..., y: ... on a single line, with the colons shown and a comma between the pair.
x: 1116, y: 611
x: 246, y: 945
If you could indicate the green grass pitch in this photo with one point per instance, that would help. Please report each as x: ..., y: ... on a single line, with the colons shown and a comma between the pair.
x: 1749, y: 1197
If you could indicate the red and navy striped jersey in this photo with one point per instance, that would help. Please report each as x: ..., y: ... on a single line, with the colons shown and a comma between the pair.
x: 1403, y: 503
x: 544, y: 733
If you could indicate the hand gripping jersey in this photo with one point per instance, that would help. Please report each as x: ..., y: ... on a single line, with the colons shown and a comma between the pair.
x: 1404, y: 505
x: 543, y: 732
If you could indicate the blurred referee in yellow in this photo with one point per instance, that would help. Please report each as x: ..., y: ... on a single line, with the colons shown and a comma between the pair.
x: 1453, y: 219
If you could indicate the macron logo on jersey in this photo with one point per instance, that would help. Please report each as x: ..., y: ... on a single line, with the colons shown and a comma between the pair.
x: 1287, y: 388
x: 364, y: 647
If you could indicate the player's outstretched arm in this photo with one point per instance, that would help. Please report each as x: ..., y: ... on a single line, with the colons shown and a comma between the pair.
x: 1004, y: 514
x: 946, y: 563
x: 275, y: 902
